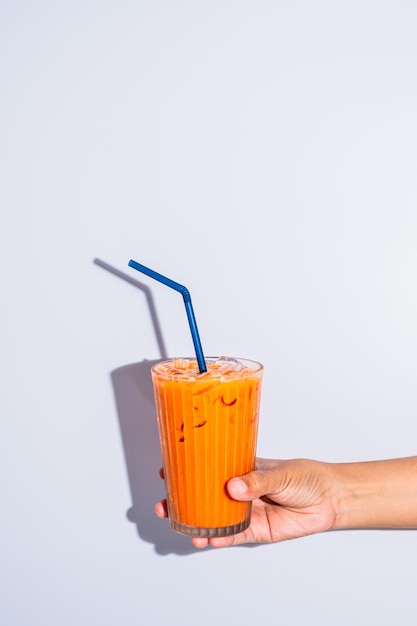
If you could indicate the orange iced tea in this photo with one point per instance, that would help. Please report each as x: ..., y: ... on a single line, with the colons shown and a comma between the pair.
x: 208, y: 427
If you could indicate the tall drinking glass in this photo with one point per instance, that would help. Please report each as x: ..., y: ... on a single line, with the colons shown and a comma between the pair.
x: 208, y: 425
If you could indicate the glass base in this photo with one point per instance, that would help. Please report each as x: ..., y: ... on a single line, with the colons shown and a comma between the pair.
x: 221, y: 531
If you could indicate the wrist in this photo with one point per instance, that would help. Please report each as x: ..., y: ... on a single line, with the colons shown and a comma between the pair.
x: 348, y: 494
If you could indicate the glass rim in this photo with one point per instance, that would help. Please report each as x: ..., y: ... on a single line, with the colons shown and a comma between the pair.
x: 256, y: 366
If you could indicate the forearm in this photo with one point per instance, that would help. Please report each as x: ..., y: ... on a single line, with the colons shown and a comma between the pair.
x: 375, y: 494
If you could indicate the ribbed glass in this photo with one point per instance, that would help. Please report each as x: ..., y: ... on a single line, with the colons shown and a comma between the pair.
x: 208, y: 426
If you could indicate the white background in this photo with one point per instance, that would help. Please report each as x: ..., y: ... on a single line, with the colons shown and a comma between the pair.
x: 263, y: 153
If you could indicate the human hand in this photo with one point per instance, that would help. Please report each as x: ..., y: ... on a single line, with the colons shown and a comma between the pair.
x: 289, y: 499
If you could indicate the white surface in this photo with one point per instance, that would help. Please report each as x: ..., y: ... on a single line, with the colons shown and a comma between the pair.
x: 264, y: 155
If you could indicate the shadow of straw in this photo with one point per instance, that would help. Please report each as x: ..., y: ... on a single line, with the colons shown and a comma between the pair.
x: 133, y: 392
x: 149, y: 299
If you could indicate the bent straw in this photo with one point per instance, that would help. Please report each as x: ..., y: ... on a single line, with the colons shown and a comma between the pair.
x: 188, y: 307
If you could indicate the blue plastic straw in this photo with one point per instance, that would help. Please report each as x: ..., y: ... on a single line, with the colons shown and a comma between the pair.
x: 188, y: 307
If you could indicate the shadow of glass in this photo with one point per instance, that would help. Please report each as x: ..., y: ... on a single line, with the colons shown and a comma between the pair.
x: 133, y: 392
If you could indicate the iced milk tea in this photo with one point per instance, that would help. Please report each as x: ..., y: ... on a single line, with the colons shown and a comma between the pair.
x: 208, y: 425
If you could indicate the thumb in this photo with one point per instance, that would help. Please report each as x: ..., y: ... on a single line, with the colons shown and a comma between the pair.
x: 248, y: 487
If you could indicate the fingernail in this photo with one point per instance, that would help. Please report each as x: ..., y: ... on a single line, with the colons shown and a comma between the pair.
x: 238, y: 486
